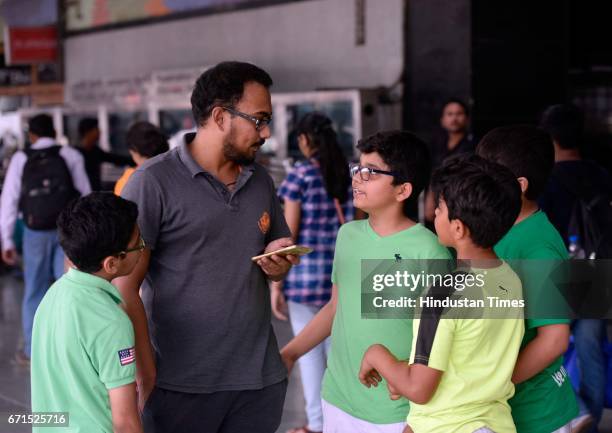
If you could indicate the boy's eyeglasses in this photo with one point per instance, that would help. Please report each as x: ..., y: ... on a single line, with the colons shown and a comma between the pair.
x: 140, y: 247
x: 365, y: 173
x: 259, y: 123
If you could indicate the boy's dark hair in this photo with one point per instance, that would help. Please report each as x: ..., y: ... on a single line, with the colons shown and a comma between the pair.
x: 146, y: 139
x: 455, y: 101
x: 526, y: 150
x: 87, y: 124
x: 223, y: 85
x: 565, y: 124
x: 406, y: 155
x: 483, y: 195
x: 94, y: 227
x: 41, y: 125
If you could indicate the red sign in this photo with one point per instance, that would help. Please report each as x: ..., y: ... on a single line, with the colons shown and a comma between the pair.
x: 28, y: 45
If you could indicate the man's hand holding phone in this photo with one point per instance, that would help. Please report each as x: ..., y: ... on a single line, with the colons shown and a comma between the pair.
x: 276, y: 265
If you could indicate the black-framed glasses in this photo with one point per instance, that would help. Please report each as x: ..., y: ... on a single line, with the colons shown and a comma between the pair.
x: 140, y: 247
x: 365, y: 173
x: 260, y: 123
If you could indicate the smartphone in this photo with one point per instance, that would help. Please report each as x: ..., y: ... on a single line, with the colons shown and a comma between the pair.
x: 297, y: 250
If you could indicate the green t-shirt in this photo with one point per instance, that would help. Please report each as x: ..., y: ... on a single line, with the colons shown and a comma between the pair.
x: 351, y: 335
x: 477, y: 358
x: 547, y: 401
x: 82, y: 346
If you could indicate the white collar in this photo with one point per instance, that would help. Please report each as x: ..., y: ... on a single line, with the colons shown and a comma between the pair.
x: 43, y: 142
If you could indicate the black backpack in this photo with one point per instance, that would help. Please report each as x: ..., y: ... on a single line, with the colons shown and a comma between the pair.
x: 46, y: 188
x: 591, y: 216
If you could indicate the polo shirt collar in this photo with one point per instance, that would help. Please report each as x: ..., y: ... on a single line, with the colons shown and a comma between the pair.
x: 90, y: 280
x: 193, y: 167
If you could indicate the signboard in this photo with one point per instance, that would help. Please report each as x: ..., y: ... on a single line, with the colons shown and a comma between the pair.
x: 83, y: 15
x: 30, y: 45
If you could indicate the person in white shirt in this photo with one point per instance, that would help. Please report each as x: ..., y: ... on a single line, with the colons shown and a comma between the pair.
x: 38, y: 184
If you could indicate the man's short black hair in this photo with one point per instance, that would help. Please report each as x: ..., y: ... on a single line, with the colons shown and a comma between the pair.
x: 223, y: 85
x: 455, y: 101
x: 526, y: 150
x: 87, y: 124
x: 146, y: 139
x: 406, y: 155
x: 94, y: 227
x: 483, y: 195
x: 41, y: 125
x: 565, y: 124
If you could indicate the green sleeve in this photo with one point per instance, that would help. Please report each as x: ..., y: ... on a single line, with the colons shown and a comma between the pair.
x: 113, y: 354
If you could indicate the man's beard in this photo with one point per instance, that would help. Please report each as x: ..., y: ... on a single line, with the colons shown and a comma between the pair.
x: 231, y: 152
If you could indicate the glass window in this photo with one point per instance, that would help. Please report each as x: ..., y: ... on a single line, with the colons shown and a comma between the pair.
x: 341, y: 113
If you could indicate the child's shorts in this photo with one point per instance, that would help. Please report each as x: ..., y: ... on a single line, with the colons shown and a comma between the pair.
x: 337, y: 421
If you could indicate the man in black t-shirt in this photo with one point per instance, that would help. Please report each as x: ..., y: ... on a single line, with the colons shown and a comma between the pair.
x: 89, y: 134
x: 452, y: 139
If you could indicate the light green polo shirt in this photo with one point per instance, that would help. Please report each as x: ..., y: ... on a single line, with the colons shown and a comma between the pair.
x: 82, y: 346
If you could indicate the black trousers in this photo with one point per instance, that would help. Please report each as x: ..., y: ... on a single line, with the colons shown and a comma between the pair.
x: 257, y: 411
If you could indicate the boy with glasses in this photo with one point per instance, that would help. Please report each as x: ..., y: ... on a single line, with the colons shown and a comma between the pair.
x: 458, y: 378
x: 393, y: 169
x: 80, y: 328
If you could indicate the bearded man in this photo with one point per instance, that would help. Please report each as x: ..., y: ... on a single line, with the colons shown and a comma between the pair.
x: 205, y: 208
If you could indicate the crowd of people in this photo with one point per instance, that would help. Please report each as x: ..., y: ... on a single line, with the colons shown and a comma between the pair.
x: 162, y: 322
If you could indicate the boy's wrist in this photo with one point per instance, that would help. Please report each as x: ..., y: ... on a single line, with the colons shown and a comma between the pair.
x: 287, y: 353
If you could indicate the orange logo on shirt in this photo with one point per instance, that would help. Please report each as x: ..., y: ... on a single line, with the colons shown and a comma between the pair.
x: 264, y: 223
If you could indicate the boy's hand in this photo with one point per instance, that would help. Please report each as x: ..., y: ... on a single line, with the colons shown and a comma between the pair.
x: 288, y: 360
x: 367, y: 373
x: 279, y: 303
x: 394, y: 394
x: 145, y: 387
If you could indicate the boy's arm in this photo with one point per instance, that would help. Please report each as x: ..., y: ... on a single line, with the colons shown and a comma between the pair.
x: 124, y: 409
x: 550, y: 343
x: 129, y: 287
x: 418, y: 383
x: 317, y: 330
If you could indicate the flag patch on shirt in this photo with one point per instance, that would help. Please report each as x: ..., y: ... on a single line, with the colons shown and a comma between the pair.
x: 127, y: 356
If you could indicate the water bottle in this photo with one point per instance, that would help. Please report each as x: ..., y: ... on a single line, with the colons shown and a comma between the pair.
x: 575, y: 249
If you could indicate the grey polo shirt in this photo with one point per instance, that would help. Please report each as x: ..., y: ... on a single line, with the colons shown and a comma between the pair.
x: 207, y: 304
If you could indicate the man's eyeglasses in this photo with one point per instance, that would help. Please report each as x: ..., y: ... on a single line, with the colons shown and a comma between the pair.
x: 365, y: 173
x: 259, y: 123
x: 140, y: 247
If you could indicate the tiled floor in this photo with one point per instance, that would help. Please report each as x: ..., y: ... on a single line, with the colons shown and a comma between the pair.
x: 14, y: 380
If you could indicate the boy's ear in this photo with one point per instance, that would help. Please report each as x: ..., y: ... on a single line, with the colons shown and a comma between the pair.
x: 524, y: 183
x: 110, y: 265
x: 404, y: 191
x: 459, y: 230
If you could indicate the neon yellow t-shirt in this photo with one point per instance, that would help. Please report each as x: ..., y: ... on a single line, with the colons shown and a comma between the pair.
x: 477, y: 358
